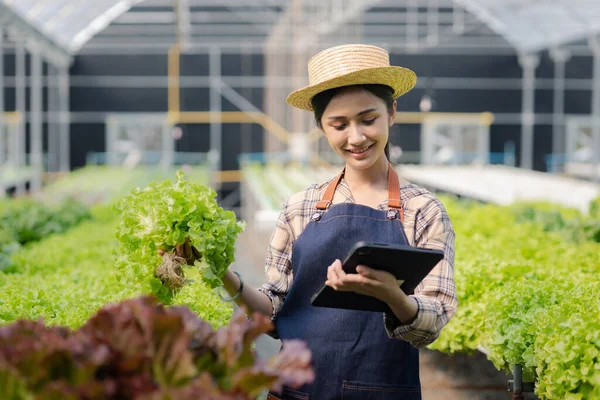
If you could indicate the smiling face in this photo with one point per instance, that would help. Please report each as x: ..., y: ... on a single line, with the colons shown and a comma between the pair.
x: 356, y: 124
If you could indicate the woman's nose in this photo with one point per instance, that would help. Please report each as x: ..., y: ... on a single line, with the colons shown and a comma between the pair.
x: 355, y: 135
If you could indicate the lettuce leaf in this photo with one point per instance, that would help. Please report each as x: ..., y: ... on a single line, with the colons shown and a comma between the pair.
x: 161, y: 216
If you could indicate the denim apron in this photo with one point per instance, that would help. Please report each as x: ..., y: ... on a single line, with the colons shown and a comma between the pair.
x: 353, y: 357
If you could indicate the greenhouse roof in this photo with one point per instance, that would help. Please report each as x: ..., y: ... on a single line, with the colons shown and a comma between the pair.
x: 70, y: 23
x: 533, y: 25
x: 526, y: 25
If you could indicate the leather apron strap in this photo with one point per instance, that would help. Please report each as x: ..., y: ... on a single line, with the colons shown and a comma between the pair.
x: 394, y: 196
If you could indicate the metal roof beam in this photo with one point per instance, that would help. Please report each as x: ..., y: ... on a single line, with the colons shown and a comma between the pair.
x: 407, y: 3
x: 182, y: 16
x: 317, y: 18
x: 349, y: 12
x: 214, y: 3
x: 258, y: 17
x: 247, y: 6
x: 241, y: 41
x: 100, y: 22
x: 36, y: 40
x: 196, y: 17
x: 250, y: 29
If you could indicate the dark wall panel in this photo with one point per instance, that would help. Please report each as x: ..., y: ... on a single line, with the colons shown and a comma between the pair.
x: 195, y: 138
x: 578, y: 102
x: 90, y: 136
x: 118, y: 99
x: 542, y: 143
x: 407, y: 136
x: 236, y: 64
x: 460, y: 65
x: 134, y: 65
x: 580, y: 68
x: 86, y: 138
x: 468, y: 100
x: 194, y: 65
x: 232, y: 147
x: 193, y: 99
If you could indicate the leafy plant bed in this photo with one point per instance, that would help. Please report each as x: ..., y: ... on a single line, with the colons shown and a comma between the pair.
x: 106, y: 184
x: 528, y: 297
x: 570, y: 224
x: 24, y: 221
x: 65, y: 278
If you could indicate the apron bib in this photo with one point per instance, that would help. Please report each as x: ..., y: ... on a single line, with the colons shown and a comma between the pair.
x: 353, y: 357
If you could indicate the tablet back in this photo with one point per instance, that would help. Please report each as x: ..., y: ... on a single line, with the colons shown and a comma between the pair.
x: 407, y: 263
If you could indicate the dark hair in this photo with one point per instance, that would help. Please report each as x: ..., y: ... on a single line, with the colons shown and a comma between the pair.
x: 385, y: 93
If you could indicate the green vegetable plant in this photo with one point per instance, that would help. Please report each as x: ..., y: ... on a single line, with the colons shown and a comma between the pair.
x: 26, y: 220
x: 140, y: 350
x: 168, y: 214
x: 570, y: 224
x: 527, y: 295
x: 31, y: 220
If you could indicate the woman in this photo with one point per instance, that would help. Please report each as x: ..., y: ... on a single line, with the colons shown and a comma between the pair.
x: 356, y: 355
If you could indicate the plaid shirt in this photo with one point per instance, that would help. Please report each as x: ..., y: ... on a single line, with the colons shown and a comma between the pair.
x: 426, y: 224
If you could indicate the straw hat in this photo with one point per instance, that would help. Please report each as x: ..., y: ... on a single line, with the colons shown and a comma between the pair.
x: 351, y: 64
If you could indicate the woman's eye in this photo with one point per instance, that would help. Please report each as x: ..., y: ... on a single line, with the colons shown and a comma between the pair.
x: 339, y: 127
x: 369, y: 121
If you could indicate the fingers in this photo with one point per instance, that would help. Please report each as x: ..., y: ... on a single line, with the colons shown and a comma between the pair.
x: 366, y: 271
x: 187, y: 248
x: 361, y: 280
x: 374, y: 274
x: 334, y: 274
x: 196, y: 253
x: 185, y: 251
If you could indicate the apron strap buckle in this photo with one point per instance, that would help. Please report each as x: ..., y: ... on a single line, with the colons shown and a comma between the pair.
x: 316, y: 216
x: 392, y: 214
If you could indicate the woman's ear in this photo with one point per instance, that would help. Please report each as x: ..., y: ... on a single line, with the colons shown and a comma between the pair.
x: 393, y: 114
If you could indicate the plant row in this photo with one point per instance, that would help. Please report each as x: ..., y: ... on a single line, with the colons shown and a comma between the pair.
x: 106, y: 184
x: 66, y: 278
x: 570, y: 224
x: 25, y: 220
x: 527, y: 296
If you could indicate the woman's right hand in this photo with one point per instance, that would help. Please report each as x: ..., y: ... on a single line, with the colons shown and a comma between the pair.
x: 185, y: 251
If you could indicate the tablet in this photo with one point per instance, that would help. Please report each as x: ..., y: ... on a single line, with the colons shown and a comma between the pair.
x: 410, y: 265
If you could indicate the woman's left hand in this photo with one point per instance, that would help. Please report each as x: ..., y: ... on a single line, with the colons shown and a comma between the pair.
x: 379, y: 284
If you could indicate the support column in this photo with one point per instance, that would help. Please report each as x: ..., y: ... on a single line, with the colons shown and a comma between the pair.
x: 299, y: 79
x: 53, y: 138
x: 168, y: 145
x: 20, y: 153
x: 433, y: 21
x: 412, y: 25
x: 560, y: 56
x: 529, y: 63
x: 594, y: 43
x: 246, y: 68
x: 215, y: 108
x: 37, y: 162
x: 3, y: 130
x: 65, y: 120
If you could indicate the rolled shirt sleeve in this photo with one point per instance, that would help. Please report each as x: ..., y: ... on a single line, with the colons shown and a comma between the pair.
x: 278, y: 264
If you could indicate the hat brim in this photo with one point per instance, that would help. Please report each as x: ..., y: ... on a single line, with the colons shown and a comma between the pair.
x: 402, y: 80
